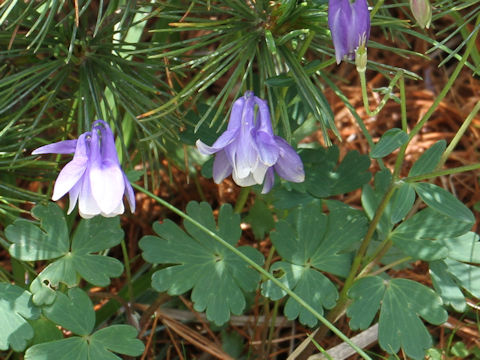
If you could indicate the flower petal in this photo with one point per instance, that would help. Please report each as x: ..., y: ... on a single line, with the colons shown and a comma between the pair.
x: 117, y: 211
x: 106, y: 176
x: 221, y: 167
x: 340, y: 22
x: 267, y: 148
x: 246, y: 181
x: 289, y: 165
x: 360, y: 23
x: 74, y: 170
x: 108, y: 186
x: 246, y: 158
x: 73, y: 196
x: 269, y: 180
x: 87, y: 205
x: 259, y: 171
x: 108, y: 149
x: 130, y: 194
x: 235, y: 120
x: 226, y: 138
x: 264, y: 123
x: 61, y: 147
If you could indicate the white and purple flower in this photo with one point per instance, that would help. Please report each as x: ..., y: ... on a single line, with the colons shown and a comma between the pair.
x: 349, y: 24
x: 250, y: 151
x: 94, y: 176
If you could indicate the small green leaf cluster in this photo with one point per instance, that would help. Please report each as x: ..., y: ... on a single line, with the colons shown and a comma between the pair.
x: 54, y: 298
x: 219, y: 280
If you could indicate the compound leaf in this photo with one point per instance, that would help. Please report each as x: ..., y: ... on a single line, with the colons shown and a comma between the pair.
x: 401, y: 306
x: 458, y: 270
x: 310, y: 241
x: 217, y: 277
x: 75, y: 313
x: 31, y: 242
x: 74, y: 348
x: 51, y: 241
x: 15, y: 308
x: 116, y: 338
x: 324, y: 177
x: 414, y: 236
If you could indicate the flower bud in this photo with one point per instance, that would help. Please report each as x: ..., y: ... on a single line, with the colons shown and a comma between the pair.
x: 422, y: 11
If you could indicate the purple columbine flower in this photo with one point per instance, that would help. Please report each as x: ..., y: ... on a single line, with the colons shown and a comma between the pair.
x: 349, y: 23
x: 250, y: 151
x: 94, y: 176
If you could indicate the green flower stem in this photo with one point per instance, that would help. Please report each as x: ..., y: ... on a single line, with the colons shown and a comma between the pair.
x: 459, y: 134
x: 257, y: 267
x: 386, y: 97
x: 403, y: 103
x: 241, y: 200
x: 357, y: 262
x: 128, y: 271
x: 436, y: 173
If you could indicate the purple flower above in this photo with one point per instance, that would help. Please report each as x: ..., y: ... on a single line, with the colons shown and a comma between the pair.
x: 250, y: 151
x: 94, y: 176
x: 349, y: 23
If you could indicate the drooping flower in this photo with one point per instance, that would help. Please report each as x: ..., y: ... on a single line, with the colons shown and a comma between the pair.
x: 94, y: 176
x: 349, y: 24
x: 422, y: 11
x: 250, y: 151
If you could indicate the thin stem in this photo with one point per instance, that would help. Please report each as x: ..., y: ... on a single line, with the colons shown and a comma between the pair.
x: 241, y: 200
x: 386, y: 97
x: 436, y: 173
x: 257, y: 267
x: 271, y: 332
x: 403, y: 103
x: 357, y: 261
x: 128, y: 271
x: 459, y: 134
x: 391, y: 265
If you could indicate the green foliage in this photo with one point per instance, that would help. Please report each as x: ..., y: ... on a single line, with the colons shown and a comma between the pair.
x: 414, y: 236
x: 391, y: 140
x: 444, y: 202
x: 218, y: 278
x: 324, y: 177
x: 429, y: 159
x: 50, y: 240
x: 16, y: 308
x: 75, y: 313
x: 401, y: 302
x: 309, y: 242
x: 459, y: 269
x: 260, y: 218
